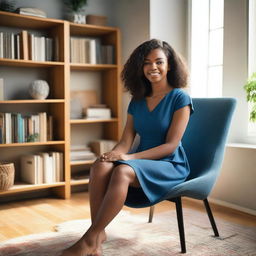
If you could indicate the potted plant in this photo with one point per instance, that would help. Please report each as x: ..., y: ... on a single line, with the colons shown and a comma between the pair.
x: 7, y: 6
x: 76, y: 9
x: 250, y: 88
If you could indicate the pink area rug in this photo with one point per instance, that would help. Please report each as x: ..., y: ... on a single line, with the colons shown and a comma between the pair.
x: 131, y: 235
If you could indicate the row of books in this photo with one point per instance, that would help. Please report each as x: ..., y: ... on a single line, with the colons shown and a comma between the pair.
x: 44, y: 167
x: 26, y: 46
x: 91, y: 51
x: 16, y: 128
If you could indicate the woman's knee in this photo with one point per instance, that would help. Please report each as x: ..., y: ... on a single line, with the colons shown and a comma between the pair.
x: 124, y: 172
x: 100, y: 167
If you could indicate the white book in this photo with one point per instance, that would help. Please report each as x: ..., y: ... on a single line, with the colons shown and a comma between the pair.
x: 47, y: 168
x: 92, y: 51
x: 8, y: 127
x: 1, y: 44
x: 40, y: 173
x: 52, y: 172
x: 17, y: 46
x: 1, y: 89
x: 29, y: 165
x: 98, y: 113
x: 42, y: 48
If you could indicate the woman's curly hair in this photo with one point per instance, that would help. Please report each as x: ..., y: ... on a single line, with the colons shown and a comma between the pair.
x: 133, y: 76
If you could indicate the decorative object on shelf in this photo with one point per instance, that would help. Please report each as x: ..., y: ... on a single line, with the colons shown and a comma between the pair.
x: 7, y: 6
x: 33, y: 137
x: 102, y: 146
x: 76, y: 11
x: 96, y: 20
x: 6, y: 175
x: 81, y: 100
x: 39, y: 89
x: 250, y: 88
x: 31, y: 12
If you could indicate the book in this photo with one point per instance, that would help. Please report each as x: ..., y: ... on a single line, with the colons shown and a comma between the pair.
x: 2, y: 128
x: 98, y: 113
x: 47, y: 167
x: 29, y: 169
x: 24, y: 45
x: 31, y: 12
x: 1, y: 89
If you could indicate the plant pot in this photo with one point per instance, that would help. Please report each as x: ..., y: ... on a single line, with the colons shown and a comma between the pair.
x: 77, y: 17
x: 6, y: 175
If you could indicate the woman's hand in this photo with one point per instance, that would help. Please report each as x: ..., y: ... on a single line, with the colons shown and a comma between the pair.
x: 114, y: 156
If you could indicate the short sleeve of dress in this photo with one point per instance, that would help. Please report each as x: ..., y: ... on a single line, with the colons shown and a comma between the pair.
x: 131, y: 107
x: 182, y: 100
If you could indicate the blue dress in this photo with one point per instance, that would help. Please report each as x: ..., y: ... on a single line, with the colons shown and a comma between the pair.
x: 156, y: 177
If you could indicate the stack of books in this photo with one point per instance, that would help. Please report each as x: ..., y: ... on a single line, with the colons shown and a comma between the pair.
x: 42, y: 168
x: 81, y: 153
x: 98, y: 111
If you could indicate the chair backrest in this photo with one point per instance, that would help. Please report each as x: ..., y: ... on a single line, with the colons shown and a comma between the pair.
x: 206, y: 134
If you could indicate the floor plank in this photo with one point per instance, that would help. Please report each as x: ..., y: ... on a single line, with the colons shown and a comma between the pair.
x: 40, y: 215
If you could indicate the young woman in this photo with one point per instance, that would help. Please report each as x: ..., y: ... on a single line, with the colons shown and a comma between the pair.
x: 159, y: 113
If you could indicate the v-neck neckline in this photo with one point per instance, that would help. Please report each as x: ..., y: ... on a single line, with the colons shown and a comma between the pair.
x: 159, y: 103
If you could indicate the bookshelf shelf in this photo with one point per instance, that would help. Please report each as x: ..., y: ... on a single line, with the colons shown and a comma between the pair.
x: 90, y: 30
x: 23, y: 187
x: 28, y: 22
x: 32, y: 101
x: 29, y: 144
x: 76, y: 163
x: 92, y: 121
x: 79, y: 66
x: 79, y: 182
x: 29, y: 63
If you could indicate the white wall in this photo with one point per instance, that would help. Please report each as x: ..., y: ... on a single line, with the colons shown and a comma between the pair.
x: 236, y: 185
x: 235, y: 64
x: 168, y: 22
x: 53, y: 8
x: 132, y: 17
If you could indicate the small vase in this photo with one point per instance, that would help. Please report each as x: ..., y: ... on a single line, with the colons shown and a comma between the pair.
x: 39, y: 89
x: 77, y: 17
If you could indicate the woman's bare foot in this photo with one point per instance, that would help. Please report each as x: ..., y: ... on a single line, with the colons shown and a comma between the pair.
x: 87, y: 245
x: 100, y: 240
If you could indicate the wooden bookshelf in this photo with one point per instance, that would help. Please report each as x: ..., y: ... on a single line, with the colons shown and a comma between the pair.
x: 58, y: 102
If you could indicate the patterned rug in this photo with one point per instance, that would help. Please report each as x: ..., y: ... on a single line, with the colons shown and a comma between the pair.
x: 131, y: 235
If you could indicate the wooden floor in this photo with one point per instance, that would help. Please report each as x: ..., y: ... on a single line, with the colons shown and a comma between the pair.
x: 40, y: 215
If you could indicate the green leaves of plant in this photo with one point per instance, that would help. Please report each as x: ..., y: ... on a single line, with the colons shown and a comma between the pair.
x: 250, y: 88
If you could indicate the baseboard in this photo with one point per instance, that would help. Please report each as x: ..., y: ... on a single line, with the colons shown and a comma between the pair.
x: 232, y: 206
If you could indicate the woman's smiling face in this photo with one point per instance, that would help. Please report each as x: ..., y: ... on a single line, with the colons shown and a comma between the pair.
x: 156, y: 66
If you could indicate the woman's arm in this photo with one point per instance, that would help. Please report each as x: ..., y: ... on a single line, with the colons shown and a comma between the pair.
x: 174, y: 135
x: 125, y: 143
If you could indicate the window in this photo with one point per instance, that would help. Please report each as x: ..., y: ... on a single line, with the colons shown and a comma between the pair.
x: 206, y: 47
x: 251, y: 55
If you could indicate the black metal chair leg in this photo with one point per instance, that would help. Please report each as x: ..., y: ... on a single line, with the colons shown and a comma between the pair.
x: 211, y: 218
x: 151, y: 213
x: 180, y: 224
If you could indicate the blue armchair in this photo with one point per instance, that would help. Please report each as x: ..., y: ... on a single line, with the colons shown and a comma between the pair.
x: 204, y: 143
